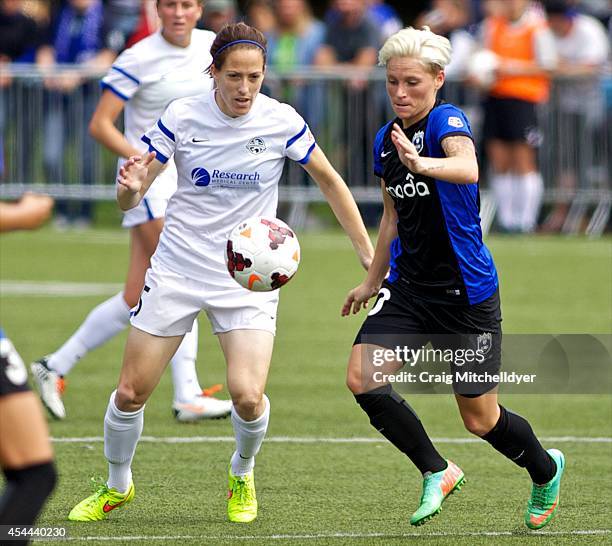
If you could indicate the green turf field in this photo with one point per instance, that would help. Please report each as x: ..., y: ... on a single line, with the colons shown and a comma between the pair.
x: 313, y: 488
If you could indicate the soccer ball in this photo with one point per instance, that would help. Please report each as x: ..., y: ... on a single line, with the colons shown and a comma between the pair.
x: 262, y: 254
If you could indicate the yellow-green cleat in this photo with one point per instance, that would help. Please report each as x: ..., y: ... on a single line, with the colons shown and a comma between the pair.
x: 241, y: 498
x: 104, y: 500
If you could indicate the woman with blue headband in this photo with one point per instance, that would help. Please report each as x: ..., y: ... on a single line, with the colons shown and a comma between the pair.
x: 229, y: 146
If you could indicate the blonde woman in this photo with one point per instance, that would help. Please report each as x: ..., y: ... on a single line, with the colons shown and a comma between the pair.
x: 442, y: 286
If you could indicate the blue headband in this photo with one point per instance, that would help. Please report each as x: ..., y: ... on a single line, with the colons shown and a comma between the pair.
x: 252, y: 42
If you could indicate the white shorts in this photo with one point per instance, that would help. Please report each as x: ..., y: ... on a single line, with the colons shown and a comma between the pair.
x: 170, y: 302
x: 148, y: 209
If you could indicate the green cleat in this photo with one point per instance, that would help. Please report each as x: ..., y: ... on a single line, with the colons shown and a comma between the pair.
x: 241, y: 498
x: 544, y: 501
x: 436, y: 487
x: 97, y: 506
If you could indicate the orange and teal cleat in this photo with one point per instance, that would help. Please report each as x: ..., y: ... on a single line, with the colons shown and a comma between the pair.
x: 436, y: 487
x: 544, y: 501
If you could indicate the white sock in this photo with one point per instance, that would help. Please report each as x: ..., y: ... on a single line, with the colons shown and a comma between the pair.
x: 249, y: 437
x: 184, y: 375
x: 103, y: 322
x: 532, y: 190
x: 501, y: 184
x: 122, y: 430
x: 518, y: 200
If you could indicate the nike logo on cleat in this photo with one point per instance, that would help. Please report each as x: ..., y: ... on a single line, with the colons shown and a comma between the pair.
x: 538, y: 520
x: 108, y: 507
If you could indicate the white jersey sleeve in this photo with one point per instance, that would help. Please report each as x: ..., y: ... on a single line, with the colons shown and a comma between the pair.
x: 300, y: 141
x: 161, y: 138
x: 123, y: 78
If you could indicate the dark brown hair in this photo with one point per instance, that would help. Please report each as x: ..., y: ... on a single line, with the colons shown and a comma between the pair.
x: 232, y: 33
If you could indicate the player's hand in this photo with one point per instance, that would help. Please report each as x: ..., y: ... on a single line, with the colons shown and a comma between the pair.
x: 68, y: 81
x: 512, y: 67
x: 358, y: 297
x: 405, y: 149
x: 133, y: 172
x: 35, y: 208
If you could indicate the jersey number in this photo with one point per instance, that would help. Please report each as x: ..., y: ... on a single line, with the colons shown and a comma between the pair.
x: 383, y: 296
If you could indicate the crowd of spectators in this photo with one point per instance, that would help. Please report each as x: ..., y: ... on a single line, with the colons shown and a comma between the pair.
x: 91, y: 33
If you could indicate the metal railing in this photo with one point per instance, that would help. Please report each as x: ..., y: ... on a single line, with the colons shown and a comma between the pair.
x: 46, y: 145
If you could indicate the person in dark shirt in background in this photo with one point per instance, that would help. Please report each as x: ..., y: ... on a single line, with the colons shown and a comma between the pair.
x: 19, y: 37
x: 351, y: 40
x: 120, y: 21
x: 19, y: 33
x: 74, y: 37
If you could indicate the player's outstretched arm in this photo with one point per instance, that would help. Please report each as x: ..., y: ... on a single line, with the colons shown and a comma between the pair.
x: 358, y: 297
x: 342, y: 203
x: 135, y: 177
x: 460, y: 165
x: 28, y: 213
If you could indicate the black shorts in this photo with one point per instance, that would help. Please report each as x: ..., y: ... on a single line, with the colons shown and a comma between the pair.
x: 472, y: 334
x: 13, y: 374
x: 511, y: 120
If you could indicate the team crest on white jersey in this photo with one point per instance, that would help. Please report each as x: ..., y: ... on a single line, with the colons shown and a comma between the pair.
x: 256, y: 145
x: 418, y: 141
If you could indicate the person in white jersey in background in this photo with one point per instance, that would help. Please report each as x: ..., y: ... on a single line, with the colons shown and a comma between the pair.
x: 223, y: 177
x: 144, y: 79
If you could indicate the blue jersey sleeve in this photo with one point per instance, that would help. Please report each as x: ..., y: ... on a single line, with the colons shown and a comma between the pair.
x: 378, y: 150
x: 447, y: 120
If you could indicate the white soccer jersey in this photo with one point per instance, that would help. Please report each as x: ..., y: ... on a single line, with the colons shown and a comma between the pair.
x: 228, y: 170
x: 150, y: 75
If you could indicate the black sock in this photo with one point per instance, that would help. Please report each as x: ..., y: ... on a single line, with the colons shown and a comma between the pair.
x: 26, y: 491
x: 513, y: 437
x: 396, y: 421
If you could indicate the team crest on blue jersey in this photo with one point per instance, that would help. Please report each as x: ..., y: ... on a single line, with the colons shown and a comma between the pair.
x: 256, y: 145
x: 418, y: 141
x: 200, y: 176
x: 454, y: 121
x: 484, y: 342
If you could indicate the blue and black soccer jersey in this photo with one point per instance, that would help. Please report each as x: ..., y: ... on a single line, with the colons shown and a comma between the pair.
x: 439, y: 254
